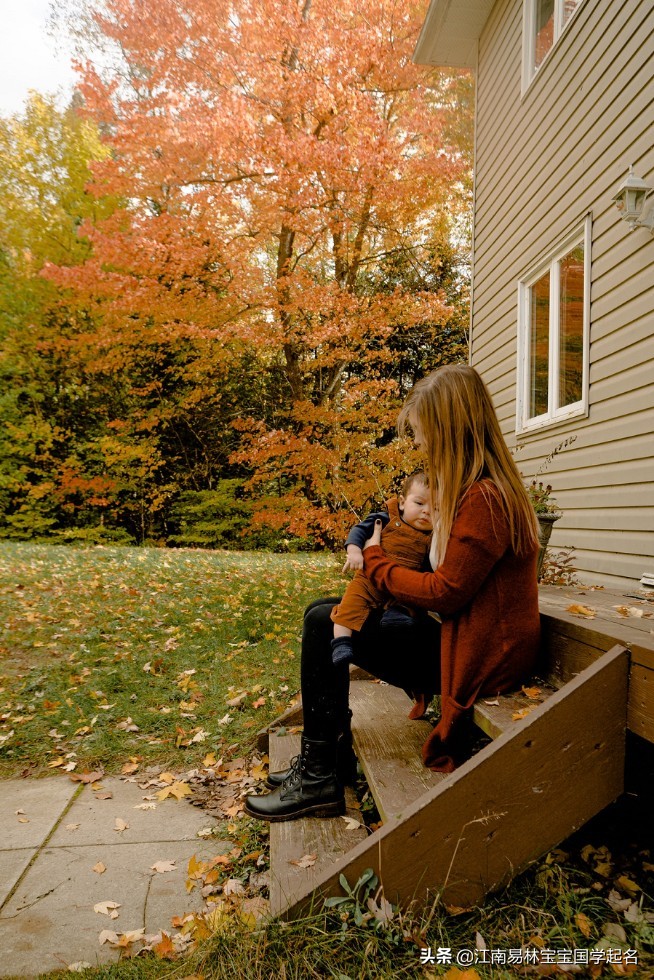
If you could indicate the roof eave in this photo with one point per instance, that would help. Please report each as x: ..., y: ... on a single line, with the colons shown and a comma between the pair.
x: 450, y: 33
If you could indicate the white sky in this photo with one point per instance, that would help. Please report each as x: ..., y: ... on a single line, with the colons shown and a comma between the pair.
x: 28, y: 56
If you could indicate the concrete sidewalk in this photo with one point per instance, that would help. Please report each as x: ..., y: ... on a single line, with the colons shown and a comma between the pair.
x: 54, y: 833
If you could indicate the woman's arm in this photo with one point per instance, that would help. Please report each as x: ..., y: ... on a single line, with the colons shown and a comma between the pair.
x: 479, y: 538
x: 362, y: 531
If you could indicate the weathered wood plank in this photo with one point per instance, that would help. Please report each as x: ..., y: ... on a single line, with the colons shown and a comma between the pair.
x: 640, y: 711
x: 507, y: 805
x: 328, y: 838
x: 554, y: 601
x: 388, y: 745
x: 496, y: 715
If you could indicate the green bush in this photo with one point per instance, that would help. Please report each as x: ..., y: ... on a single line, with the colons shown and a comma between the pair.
x: 222, y: 518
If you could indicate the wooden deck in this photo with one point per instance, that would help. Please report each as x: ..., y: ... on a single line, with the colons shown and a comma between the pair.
x: 611, y: 616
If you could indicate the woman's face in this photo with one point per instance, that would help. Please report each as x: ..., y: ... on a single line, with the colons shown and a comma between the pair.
x: 418, y: 437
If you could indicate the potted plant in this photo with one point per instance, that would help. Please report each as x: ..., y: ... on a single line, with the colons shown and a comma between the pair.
x: 547, y: 512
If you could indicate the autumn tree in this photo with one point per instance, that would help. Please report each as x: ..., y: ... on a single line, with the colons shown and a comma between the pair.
x: 292, y: 184
x: 51, y: 463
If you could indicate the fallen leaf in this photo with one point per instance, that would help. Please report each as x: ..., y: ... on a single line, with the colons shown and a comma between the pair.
x: 127, y: 726
x: 634, y: 611
x: 79, y: 967
x: 614, y: 931
x: 627, y: 885
x: 72, y: 826
x: 59, y: 761
x: 120, y: 825
x: 23, y: 820
x: 165, y: 950
x: 107, y: 908
x: 107, y: 936
x: 492, y: 703
x: 162, y: 866
x: 253, y: 909
x: 129, y: 768
x: 99, y: 868
x: 259, y: 703
x: 106, y: 794
x: 179, y: 790
x: 578, y: 610
x: 87, y: 777
x: 519, y: 715
x: 150, y: 805
x: 351, y: 823
x: 233, y: 887
x: 307, y: 861
x: 532, y: 692
x: 584, y: 924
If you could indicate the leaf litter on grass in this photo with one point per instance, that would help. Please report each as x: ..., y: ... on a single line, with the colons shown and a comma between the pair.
x: 111, y: 653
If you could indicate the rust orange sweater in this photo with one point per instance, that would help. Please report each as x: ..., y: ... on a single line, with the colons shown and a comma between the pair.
x: 487, y: 597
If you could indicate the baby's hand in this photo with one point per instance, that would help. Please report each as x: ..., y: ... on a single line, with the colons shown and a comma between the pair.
x: 354, y: 558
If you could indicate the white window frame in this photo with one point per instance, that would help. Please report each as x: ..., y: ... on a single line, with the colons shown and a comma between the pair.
x: 529, y: 70
x: 582, y: 235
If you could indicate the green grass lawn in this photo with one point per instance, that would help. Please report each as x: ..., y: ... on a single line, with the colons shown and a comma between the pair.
x: 113, y: 653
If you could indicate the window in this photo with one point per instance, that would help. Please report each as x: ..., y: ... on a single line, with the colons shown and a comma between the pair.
x: 553, y: 327
x: 544, y: 23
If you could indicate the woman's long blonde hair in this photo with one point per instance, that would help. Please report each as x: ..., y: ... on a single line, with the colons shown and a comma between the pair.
x: 451, y: 413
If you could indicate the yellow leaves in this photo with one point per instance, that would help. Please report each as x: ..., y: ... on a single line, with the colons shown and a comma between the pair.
x: 577, y: 609
x: 178, y: 789
x: 120, y: 825
x: 533, y: 693
x: 522, y: 713
x: 165, y: 949
x: 99, y: 868
x: 627, y: 886
x: 584, y: 924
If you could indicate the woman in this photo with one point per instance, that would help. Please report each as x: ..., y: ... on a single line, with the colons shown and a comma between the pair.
x: 483, y: 585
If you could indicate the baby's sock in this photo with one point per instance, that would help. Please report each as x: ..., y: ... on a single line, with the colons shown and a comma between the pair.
x: 342, y: 651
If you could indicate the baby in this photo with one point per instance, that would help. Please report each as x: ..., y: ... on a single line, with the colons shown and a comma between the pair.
x: 406, y: 536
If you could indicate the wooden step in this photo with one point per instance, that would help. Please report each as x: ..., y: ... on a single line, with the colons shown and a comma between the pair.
x: 504, y: 808
x: 327, y: 839
x: 496, y: 715
x: 388, y: 745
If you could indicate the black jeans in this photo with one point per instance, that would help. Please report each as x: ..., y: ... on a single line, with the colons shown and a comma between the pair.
x: 407, y: 657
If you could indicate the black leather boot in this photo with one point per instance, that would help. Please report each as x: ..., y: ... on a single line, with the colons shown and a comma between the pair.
x: 346, y: 762
x: 311, y: 788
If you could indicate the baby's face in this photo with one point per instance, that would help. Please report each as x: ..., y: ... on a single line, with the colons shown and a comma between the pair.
x: 416, y: 509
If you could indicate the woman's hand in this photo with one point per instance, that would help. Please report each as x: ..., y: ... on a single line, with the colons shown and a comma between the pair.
x: 375, y: 540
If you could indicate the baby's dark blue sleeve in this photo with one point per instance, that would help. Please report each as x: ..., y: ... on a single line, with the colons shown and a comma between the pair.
x: 361, y: 532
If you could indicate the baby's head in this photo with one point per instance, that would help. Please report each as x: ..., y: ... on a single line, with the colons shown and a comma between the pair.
x: 415, y: 504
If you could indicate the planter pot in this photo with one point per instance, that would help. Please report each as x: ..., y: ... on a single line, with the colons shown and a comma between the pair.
x: 545, y: 524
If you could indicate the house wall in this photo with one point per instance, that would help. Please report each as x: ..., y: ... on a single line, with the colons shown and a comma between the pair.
x: 544, y: 160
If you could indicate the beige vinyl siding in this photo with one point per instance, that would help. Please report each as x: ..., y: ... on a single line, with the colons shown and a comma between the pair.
x: 544, y: 160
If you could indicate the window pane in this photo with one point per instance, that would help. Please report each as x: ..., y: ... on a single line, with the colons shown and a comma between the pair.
x: 544, y: 30
x: 539, y: 345
x: 569, y: 7
x: 571, y: 327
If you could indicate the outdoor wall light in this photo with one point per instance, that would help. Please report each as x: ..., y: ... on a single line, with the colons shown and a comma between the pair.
x: 635, y: 202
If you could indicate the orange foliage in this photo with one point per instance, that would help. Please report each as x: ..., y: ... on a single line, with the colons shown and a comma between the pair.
x: 272, y: 157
